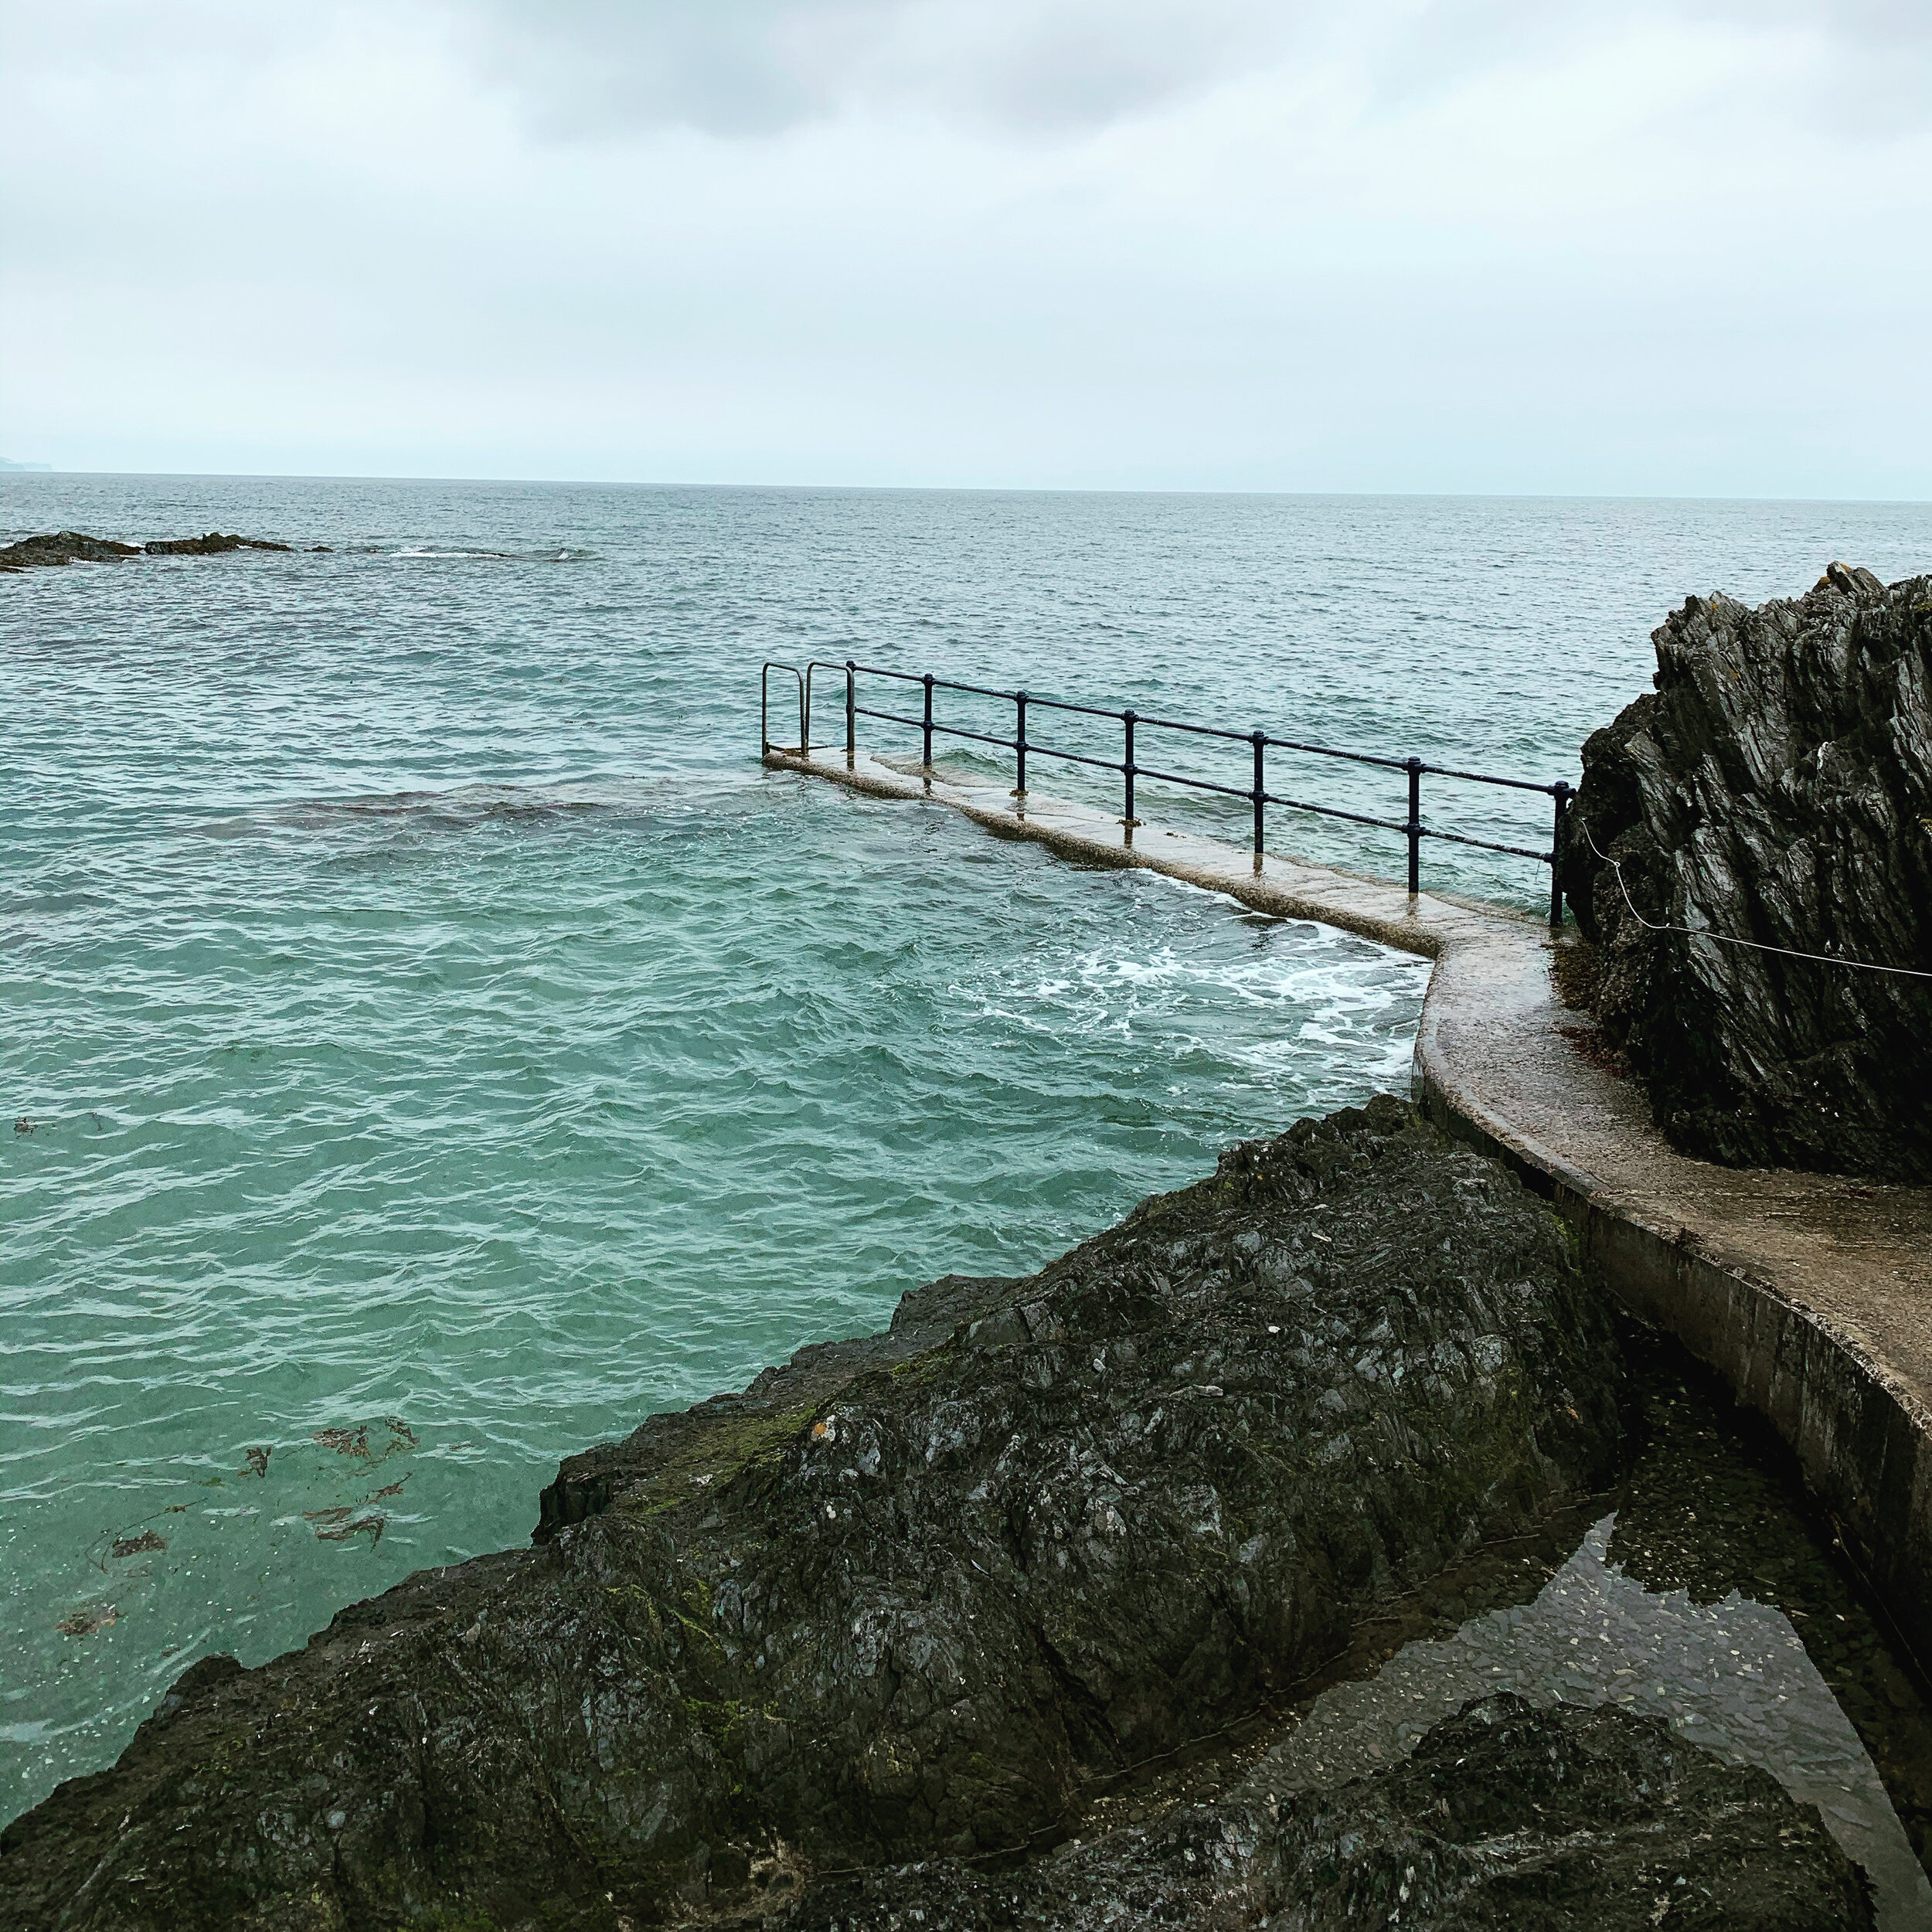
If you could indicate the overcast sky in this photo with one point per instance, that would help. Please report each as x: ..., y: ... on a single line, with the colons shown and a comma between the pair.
x: 1677, y: 247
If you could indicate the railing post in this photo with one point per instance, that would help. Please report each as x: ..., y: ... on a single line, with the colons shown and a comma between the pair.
x: 851, y: 712
x: 1127, y: 769
x: 927, y: 759
x: 1413, y: 767
x: 1019, y: 743
x: 1562, y: 794
x: 1260, y: 740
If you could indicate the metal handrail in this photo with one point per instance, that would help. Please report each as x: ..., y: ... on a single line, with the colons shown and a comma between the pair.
x: 764, y: 706
x: 1256, y: 793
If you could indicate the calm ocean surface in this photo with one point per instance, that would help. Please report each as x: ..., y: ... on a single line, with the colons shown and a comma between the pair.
x: 436, y: 1043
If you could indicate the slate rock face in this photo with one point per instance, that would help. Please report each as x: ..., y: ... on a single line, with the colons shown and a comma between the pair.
x: 909, y: 1598
x: 1504, y: 1816
x: 1776, y: 787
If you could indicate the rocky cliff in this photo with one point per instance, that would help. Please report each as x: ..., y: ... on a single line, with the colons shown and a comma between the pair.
x: 1772, y: 799
x: 918, y: 1597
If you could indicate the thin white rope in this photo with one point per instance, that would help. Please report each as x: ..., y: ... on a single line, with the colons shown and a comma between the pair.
x: 1693, y: 932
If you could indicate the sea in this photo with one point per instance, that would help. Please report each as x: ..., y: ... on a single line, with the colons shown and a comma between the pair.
x: 434, y: 1042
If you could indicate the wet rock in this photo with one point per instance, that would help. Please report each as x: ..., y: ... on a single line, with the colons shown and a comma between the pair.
x: 75, y: 547
x: 63, y: 546
x: 1504, y: 1816
x: 213, y: 544
x: 918, y: 1597
x: 1775, y: 788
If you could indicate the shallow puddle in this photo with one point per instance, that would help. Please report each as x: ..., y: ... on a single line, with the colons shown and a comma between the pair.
x: 1732, y: 1676
x: 1700, y: 1591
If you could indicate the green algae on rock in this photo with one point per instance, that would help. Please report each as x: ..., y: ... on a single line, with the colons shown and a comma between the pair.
x: 917, y: 1596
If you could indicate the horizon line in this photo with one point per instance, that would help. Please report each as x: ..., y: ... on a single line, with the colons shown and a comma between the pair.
x: 962, y: 489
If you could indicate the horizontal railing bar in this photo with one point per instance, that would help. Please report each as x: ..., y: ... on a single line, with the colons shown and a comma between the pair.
x: 1333, y: 811
x: 939, y: 684
x: 1483, y: 778
x: 1483, y: 844
x: 1197, y: 784
x: 1358, y: 757
x: 1074, y: 758
x: 1060, y: 704
x: 1198, y: 731
x: 952, y: 731
x: 1193, y: 784
x: 1141, y: 720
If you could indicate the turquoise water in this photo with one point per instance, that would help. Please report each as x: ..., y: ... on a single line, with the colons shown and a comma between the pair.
x: 436, y: 1043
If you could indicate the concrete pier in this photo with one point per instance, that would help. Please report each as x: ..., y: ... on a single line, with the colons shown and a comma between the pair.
x: 1809, y: 1294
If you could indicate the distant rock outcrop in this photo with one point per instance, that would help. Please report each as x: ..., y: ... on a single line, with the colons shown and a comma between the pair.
x: 63, y: 546
x: 1775, y: 793
x: 213, y: 544
x: 75, y: 546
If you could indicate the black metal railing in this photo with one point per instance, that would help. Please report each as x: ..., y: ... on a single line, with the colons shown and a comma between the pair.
x: 1259, y: 742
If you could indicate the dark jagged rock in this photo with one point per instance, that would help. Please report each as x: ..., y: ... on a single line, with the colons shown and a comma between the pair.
x: 1776, y: 788
x: 63, y: 546
x: 918, y: 1597
x: 213, y: 544
x: 1504, y: 1816
x: 75, y: 547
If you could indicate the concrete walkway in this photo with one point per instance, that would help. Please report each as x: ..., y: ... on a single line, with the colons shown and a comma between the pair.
x: 1810, y: 1294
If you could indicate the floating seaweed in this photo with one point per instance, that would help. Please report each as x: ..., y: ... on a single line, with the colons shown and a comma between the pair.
x: 355, y: 1441
x: 341, y: 1532
x: 136, y: 1545
x: 89, y: 1618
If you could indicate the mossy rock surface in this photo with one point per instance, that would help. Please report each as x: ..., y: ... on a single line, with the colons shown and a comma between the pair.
x: 916, y: 1596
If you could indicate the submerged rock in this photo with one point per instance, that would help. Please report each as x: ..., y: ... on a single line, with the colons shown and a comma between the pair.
x: 1776, y: 788
x: 1503, y: 1816
x: 918, y: 1597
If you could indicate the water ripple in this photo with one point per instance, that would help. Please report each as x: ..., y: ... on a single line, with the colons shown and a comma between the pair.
x: 432, y: 1032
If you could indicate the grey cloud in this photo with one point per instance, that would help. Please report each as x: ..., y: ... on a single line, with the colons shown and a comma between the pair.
x: 594, y: 68
x: 1871, y: 75
x: 591, y: 67
x: 1041, y: 70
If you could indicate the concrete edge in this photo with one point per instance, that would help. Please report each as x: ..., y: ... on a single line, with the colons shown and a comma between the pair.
x: 1862, y: 1438
x: 1863, y: 1441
